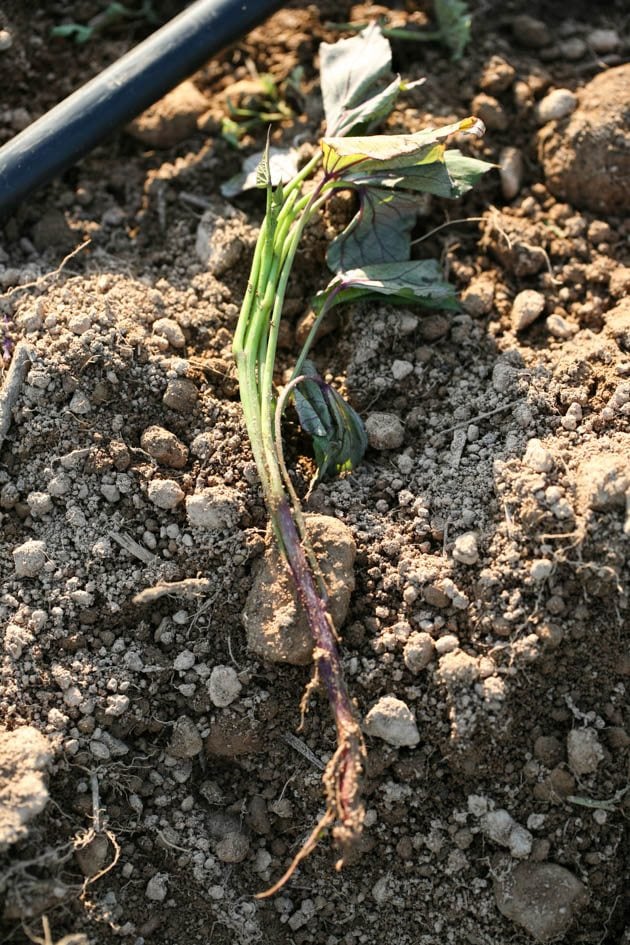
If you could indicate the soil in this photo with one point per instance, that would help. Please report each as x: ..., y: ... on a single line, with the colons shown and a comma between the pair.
x: 152, y: 774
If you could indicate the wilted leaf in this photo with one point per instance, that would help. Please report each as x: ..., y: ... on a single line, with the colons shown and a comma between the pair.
x: 350, y: 70
x: 380, y: 232
x: 339, y: 437
x: 281, y: 168
x: 380, y: 152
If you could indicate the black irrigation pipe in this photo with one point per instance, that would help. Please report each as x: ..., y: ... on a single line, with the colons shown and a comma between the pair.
x: 77, y: 124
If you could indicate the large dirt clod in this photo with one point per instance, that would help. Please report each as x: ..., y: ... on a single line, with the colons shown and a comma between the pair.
x: 274, y: 620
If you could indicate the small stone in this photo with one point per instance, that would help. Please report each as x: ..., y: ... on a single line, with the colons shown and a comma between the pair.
x: 537, y: 456
x: 418, y: 651
x: 526, y: 308
x: 181, y: 394
x: 573, y: 48
x: 393, y: 721
x: 110, y: 492
x: 385, y: 431
x: 540, y: 569
x: 501, y: 827
x: 401, y: 369
x: 477, y: 299
x: 29, y: 558
x: 603, y: 41
x: 157, y: 887
x: 446, y: 644
x: 6, y: 40
x: 185, y: 741
x: 465, y: 549
x: 233, y: 848
x: 511, y: 171
x: 39, y: 503
x: 216, y: 508
x: 434, y: 327
x: 165, y: 493
x: 497, y: 76
x: 457, y: 669
x: 490, y: 111
x: 559, y: 327
x: 572, y: 417
x: 117, y: 705
x: 184, y: 661
x: 558, y: 104
x: 584, y: 751
x: 94, y: 855
x: 99, y: 750
x: 168, y: 328
x: 79, y: 403
x: 543, y: 898
x: 530, y: 32
x: 223, y: 686
x: 164, y: 447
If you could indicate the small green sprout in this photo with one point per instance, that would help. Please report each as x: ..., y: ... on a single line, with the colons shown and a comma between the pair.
x: 263, y: 102
x: 370, y: 258
x: 453, y: 20
x: 112, y: 15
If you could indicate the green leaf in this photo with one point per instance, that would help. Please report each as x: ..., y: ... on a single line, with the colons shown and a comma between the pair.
x: 416, y: 281
x: 380, y: 232
x: 339, y: 437
x: 451, y: 177
x: 380, y: 152
x: 464, y: 171
x: 454, y: 22
x: 281, y: 168
x: 350, y: 72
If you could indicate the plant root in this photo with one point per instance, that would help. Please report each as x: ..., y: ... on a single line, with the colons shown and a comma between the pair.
x: 345, y: 811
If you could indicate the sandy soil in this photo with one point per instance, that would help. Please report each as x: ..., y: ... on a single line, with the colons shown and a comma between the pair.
x: 152, y: 776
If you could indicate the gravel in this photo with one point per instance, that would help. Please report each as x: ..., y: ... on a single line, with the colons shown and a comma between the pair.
x: 558, y: 104
x: 526, y: 308
x: 165, y: 493
x: 393, y: 721
x: 385, y: 431
x: 223, y: 686
x: 164, y: 447
x: 584, y: 751
x: 29, y: 558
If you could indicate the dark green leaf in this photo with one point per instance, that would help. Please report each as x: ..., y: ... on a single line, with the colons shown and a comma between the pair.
x: 451, y: 177
x: 339, y: 437
x: 380, y: 232
x: 415, y: 281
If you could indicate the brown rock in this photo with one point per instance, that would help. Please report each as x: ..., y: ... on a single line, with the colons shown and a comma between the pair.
x: 543, y: 898
x: 276, y: 625
x: 587, y: 157
x: 164, y: 447
x: 172, y: 119
x: 181, y: 395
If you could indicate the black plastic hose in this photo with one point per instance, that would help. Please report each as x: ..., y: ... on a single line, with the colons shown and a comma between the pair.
x: 77, y: 124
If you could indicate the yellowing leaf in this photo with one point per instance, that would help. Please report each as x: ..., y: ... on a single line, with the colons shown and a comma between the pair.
x: 389, y: 151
